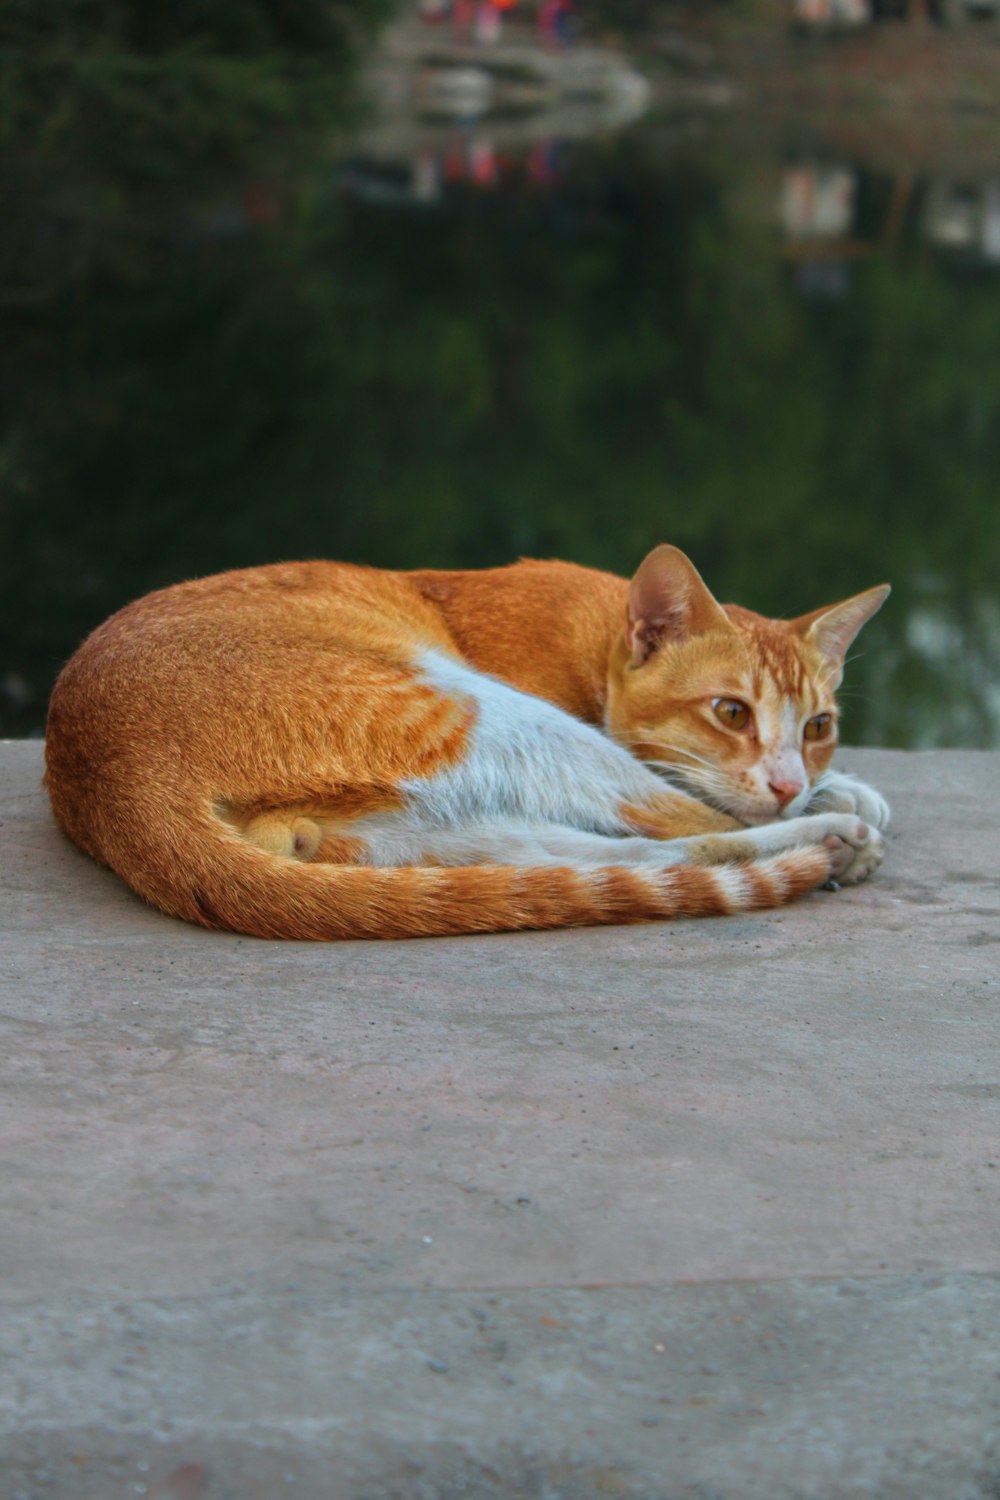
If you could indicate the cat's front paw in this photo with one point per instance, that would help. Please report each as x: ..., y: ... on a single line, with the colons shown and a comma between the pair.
x: 835, y: 791
x: 856, y: 848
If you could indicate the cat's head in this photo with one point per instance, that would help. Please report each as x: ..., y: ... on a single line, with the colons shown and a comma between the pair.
x: 740, y: 710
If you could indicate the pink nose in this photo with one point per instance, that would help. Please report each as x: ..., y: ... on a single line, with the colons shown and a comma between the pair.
x: 785, y: 791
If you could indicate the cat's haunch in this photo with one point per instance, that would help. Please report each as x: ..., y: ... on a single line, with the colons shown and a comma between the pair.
x: 318, y: 750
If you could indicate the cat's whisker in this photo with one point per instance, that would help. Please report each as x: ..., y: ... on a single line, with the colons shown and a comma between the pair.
x: 700, y: 760
x: 696, y: 764
x: 827, y: 681
x: 689, y: 755
x: 707, y: 786
x: 702, y: 774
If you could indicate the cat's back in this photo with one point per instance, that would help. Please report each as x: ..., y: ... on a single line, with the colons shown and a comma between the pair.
x: 244, y: 624
x: 206, y: 671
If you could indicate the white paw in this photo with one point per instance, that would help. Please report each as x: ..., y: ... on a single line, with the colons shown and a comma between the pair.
x: 856, y: 847
x: 837, y: 792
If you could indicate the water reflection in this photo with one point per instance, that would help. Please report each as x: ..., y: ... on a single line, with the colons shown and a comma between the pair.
x: 833, y: 15
x: 833, y: 214
x: 550, y: 299
x: 466, y: 102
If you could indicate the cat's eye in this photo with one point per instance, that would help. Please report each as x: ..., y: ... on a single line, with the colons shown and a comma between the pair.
x: 731, y: 712
x: 817, y: 728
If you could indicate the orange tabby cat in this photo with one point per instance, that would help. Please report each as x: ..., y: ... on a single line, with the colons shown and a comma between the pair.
x: 316, y: 750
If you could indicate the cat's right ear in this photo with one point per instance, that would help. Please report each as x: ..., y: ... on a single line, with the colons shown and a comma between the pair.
x: 832, y: 629
x: 668, y: 601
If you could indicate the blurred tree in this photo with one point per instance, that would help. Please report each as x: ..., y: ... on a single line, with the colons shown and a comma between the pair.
x: 114, y: 113
x: 643, y: 16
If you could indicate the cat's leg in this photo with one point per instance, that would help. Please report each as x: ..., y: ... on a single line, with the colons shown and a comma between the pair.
x: 289, y: 832
x: 858, y: 846
x: 401, y: 838
x: 855, y: 849
x: 835, y: 791
x: 305, y: 832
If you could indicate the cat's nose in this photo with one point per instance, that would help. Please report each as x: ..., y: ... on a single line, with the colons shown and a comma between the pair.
x: 785, y: 791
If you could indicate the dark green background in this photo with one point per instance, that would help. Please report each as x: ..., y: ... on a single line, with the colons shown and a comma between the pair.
x: 581, y: 372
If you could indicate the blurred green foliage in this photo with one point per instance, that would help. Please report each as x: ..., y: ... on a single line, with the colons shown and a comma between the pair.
x: 640, y: 17
x: 113, y: 112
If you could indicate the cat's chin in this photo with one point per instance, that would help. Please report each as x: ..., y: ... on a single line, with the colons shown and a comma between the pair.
x: 755, y: 816
x: 755, y: 819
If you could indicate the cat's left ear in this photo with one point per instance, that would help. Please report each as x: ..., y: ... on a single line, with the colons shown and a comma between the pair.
x: 832, y: 629
x: 669, y: 601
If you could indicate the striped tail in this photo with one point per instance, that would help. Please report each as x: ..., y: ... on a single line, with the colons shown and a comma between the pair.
x: 230, y: 884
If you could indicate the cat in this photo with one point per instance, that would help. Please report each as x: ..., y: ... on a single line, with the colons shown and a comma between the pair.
x: 322, y: 750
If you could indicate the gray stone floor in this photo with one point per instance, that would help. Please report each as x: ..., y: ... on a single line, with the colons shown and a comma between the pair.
x: 703, y: 1210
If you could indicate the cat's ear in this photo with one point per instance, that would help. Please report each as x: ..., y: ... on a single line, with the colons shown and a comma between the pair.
x: 831, y: 630
x: 668, y: 601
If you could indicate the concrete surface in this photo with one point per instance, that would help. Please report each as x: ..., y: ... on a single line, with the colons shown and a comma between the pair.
x: 700, y: 1211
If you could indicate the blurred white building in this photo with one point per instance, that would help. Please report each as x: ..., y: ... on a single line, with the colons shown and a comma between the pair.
x: 817, y: 201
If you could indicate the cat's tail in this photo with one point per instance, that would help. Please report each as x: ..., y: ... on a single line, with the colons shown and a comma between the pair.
x: 218, y: 879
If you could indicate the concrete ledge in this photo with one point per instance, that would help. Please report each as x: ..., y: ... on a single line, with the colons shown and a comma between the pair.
x: 698, y: 1210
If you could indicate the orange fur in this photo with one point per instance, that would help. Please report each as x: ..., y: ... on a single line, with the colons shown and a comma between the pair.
x: 227, y: 745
